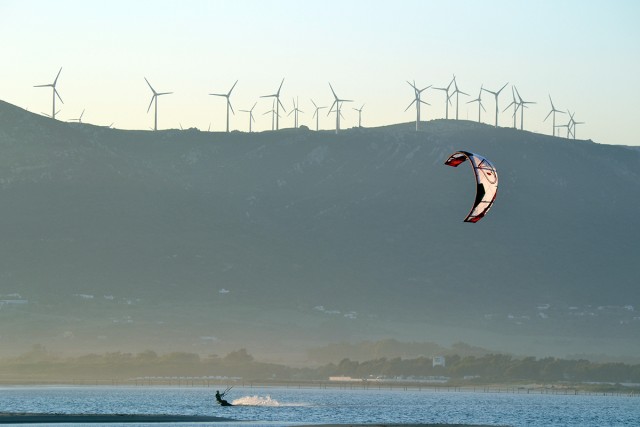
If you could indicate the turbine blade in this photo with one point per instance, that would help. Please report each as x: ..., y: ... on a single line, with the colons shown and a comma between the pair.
x: 505, y: 85
x: 333, y: 91
x: 58, y: 75
x: 545, y: 119
x: 314, y: 104
x: 281, y: 83
x: 43, y: 86
x: 152, y: 98
x: 150, y: 87
x: 331, y: 109
x: 283, y: 109
x: 231, y: 106
x: 58, y: 95
x: 231, y: 90
x: 409, y: 106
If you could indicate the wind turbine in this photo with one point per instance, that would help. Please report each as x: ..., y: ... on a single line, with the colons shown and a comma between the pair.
x: 417, y: 92
x: 479, y: 101
x: 251, y: 119
x: 574, y: 125
x: 295, y: 110
x: 337, y: 104
x: 316, y: 115
x: 457, y: 92
x: 571, y: 126
x: 54, y: 94
x: 553, y: 111
x: 278, y: 104
x: 154, y: 99
x: 564, y: 126
x: 273, y: 112
x: 359, y: 115
x: 516, y: 105
x: 523, y: 105
x: 79, y: 119
x: 496, y: 94
x: 228, y: 96
x: 448, y: 101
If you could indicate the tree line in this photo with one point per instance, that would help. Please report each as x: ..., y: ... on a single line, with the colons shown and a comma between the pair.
x: 38, y: 363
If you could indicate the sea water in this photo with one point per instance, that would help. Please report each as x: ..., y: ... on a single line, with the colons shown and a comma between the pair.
x: 268, y: 406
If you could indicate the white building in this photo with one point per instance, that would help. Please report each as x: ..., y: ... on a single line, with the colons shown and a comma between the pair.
x: 438, y: 361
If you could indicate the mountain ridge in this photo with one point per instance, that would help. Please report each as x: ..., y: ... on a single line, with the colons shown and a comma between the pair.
x: 348, y: 236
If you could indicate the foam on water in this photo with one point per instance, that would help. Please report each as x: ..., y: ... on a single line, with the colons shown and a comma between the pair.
x: 260, y: 401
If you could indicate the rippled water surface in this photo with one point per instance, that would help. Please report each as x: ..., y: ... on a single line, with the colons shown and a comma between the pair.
x: 288, y: 406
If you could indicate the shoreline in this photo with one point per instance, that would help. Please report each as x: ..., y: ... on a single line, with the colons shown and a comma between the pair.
x: 29, y: 418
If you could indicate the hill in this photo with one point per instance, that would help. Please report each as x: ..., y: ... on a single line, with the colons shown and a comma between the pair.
x: 279, y: 241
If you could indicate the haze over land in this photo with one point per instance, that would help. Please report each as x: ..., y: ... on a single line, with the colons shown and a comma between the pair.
x: 282, y: 241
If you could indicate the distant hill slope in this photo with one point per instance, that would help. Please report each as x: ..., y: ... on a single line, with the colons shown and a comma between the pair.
x: 134, y: 238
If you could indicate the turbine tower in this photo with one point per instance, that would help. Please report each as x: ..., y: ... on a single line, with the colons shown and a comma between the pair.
x: 417, y: 93
x: 448, y: 101
x: 251, y: 119
x: 295, y: 110
x: 337, y: 104
x: 54, y: 94
x: 523, y: 105
x: 228, y: 96
x: 278, y: 104
x: 553, y: 111
x: 273, y: 112
x: 496, y: 94
x: 154, y: 99
x: 316, y: 115
x: 479, y: 101
x: 574, y: 128
x: 516, y: 105
x: 359, y: 115
x: 457, y: 92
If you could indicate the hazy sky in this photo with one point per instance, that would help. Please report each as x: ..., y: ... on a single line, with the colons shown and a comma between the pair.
x: 585, y: 54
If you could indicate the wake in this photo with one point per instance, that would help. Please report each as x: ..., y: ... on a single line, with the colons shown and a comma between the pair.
x: 261, y: 401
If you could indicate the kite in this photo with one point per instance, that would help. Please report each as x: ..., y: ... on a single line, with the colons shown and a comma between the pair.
x: 486, y: 179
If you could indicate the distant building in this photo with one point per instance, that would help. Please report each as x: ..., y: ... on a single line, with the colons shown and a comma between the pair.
x: 438, y: 361
x: 14, y: 301
x: 344, y: 379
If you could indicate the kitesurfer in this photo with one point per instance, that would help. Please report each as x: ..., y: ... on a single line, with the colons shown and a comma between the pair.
x: 219, y: 397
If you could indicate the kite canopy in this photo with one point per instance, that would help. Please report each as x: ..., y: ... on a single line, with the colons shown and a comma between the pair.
x: 486, y: 179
